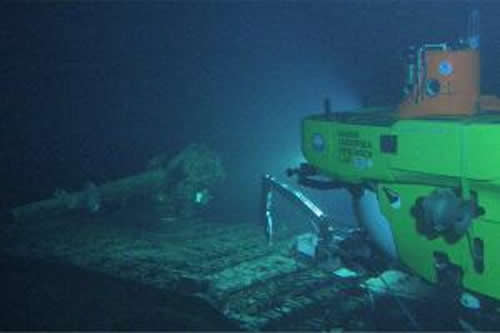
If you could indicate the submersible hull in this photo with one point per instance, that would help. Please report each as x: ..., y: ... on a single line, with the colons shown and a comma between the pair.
x: 416, y: 167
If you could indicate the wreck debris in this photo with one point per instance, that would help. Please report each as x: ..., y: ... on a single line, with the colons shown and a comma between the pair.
x: 398, y: 283
x: 181, y: 185
x: 193, y: 175
x: 231, y: 268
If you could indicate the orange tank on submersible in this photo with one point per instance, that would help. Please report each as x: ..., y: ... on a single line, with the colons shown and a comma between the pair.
x: 443, y: 79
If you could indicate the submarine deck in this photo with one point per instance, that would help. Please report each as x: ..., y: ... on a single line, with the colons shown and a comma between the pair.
x: 228, y: 267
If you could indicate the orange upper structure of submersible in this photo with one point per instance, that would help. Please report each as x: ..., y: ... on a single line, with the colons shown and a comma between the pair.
x: 446, y: 83
x: 443, y: 79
